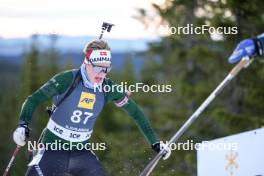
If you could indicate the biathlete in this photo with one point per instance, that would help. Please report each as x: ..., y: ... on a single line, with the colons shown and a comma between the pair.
x: 77, y: 102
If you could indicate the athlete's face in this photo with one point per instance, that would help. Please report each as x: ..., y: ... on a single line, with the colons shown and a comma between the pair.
x: 95, y: 77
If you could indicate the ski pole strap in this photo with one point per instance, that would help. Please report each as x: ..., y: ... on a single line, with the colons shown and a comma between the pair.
x: 76, y: 81
x: 74, y: 84
x: 258, y: 46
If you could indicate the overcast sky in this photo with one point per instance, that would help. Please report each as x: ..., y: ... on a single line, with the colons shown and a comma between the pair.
x: 21, y: 18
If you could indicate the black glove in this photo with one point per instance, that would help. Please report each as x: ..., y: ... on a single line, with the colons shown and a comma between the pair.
x: 156, y: 147
x: 27, y: 129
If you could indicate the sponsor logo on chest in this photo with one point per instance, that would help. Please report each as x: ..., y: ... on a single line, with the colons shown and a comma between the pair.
x: 87, y: 100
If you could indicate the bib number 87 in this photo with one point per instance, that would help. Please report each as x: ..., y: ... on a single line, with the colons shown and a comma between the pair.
x: 76, y: 117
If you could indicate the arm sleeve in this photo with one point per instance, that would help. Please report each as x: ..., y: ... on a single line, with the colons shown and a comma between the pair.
x: 55, y: 86
x: 121, y: 100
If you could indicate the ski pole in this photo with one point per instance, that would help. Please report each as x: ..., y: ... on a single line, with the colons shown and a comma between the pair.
x: 11, y: 160
x: 245, y: 62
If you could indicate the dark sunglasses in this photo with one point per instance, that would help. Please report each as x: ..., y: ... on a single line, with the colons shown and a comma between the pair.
x: 99, y: 69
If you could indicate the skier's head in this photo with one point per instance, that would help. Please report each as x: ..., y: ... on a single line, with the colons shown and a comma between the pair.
x: 97, y: 60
